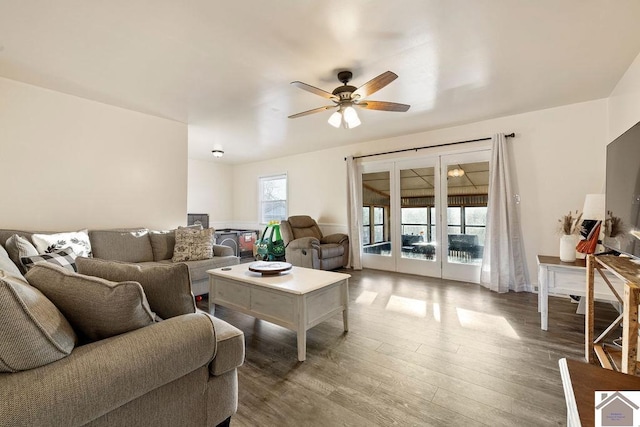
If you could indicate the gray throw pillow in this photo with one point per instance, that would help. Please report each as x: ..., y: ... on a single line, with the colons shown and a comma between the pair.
x: 167, y: 286
x: 193, y: 244
x: 8, y: 266
x: 33, y: 332
x: 162, y: 243
x: 97, y: 308
x: 19, y: 247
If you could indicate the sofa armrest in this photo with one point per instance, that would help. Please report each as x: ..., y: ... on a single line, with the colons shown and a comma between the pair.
x: 222, y: 250
x: 335, y: 238
x: 99, y: 377
x: 229, y: 344
x: 304, y: 243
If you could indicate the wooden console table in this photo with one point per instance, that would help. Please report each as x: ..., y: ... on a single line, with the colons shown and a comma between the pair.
x: 611, y: 357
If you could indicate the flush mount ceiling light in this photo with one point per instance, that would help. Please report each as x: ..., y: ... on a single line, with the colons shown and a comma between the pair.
x: 217, y: 153
x: 455, y: 173
x: 346, y: 97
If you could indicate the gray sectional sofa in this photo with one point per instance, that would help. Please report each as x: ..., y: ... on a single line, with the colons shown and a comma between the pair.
x: 141, y: 245
x: 180, y: 371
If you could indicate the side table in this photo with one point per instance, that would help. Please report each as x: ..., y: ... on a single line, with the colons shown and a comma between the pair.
x: 567, y: 278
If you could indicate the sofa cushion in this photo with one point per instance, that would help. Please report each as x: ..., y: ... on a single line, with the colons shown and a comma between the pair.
x: 193, y: 244
x: 95, y: 307
x: 65, y: 258
x: 166, y: 286
x: 198, y: 269
x: 18, y: 247
x: 33, y: 332
x: 131, y: 245
x: 8, y: 266
x: 162, y: 243
x: 76, y: 240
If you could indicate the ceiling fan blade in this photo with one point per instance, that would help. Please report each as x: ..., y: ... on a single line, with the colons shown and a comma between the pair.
x: 375, y: 84
x: 315, y: 110
x: 313, y: 89
x: 383, y: 105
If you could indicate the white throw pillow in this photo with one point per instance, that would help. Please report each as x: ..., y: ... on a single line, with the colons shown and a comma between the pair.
x: 78, y: 241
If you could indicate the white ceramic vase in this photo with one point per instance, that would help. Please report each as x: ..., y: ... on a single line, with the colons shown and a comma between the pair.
x: 568, y: 244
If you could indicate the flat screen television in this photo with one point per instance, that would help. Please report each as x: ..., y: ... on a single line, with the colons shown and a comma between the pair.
x: 622, y: 229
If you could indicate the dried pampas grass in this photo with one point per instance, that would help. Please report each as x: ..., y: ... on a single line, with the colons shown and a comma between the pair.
x: 570, y: 223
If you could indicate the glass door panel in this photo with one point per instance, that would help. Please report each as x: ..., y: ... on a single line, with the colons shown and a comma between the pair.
x: 377, y: 242
x: 417, y: 230
x: 467, y: 193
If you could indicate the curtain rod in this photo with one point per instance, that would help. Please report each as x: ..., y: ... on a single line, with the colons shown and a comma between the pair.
x: 511, y: 135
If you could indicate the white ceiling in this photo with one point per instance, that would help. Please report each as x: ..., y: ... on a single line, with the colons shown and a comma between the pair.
x: 225, y: 67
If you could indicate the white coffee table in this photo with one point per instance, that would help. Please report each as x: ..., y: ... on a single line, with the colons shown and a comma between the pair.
x: 298, y: 299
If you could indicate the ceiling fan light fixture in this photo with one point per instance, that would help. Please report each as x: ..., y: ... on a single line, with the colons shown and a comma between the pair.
x: 335, y: 119
x: 353, y: 123
x: 455, y: 173
x: 346, y: 96
x: 351, y: 119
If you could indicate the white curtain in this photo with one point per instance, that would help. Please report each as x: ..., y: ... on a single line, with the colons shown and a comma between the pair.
x: 504, y: 266
x: 354, y: 206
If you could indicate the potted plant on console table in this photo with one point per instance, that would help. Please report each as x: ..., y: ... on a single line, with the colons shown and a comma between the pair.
x: 570, y: 229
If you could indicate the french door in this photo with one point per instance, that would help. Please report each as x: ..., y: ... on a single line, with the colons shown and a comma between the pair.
x: 427, y: 215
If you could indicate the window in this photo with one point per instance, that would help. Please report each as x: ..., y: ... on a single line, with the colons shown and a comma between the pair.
x: 467, y: 220
x: 378, y: 224
x: 454, y: 220
x: 375, y: 229
x: 366, y: 223
x: 273, y: 198
x: 476, y: 221
x: 415, y: 221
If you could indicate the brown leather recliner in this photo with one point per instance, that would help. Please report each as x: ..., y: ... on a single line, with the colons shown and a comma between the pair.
x: 307, y: 247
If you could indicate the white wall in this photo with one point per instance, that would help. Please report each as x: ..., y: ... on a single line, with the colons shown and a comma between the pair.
x: 558, y: 154
x: 210, y: 188
x: 624, y: 102
x: 317, y: 187
x: 68, y: 163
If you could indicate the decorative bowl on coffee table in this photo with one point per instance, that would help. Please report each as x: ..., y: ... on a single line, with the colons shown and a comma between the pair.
x: 267, y: 268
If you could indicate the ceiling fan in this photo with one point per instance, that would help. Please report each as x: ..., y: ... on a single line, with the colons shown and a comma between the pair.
x: 346, y: 97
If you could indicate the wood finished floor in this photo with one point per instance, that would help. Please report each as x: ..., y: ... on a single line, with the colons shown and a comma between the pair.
x: 420, y: 351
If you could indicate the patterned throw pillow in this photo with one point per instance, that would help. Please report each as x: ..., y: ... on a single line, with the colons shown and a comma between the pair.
x: 64, y: 258
x: 78, y: 241
x: 193, y: 244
